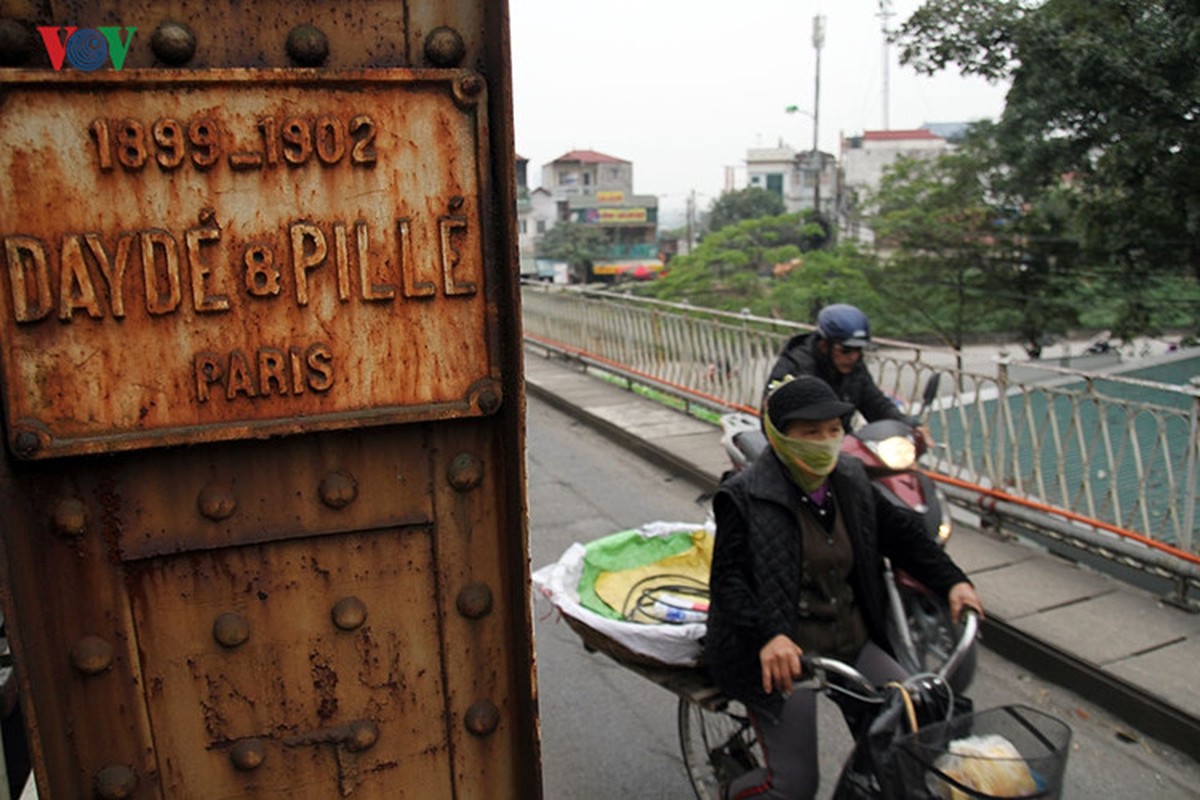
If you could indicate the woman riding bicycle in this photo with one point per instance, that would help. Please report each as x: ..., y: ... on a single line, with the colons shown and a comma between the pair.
x: 798, y: 566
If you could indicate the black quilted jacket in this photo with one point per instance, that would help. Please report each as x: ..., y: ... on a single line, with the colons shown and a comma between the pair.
x: 757, y: 564
x: 801, y: 356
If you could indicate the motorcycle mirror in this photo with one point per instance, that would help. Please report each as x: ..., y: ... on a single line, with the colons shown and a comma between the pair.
x: 931, y: 389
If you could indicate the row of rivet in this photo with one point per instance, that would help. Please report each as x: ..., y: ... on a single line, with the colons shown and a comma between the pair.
x: 231, y: 629
x: 217, y: 501
x: 357, y: 736
x: 174, y: 43
x: 119, y: 781
x: 92, y: 655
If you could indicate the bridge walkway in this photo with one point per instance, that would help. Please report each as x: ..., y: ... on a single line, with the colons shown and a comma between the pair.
x: 1109, y: 641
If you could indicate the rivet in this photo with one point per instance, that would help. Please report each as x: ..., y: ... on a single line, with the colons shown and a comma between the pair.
x: 16, y: 43
x: 26, y: 444
x: 338, y: 489
x: 116, y: 782
x: 363, y: 735
x: 70, y: 517
x: 444, y: 47
x: 92, y: 655
x: 217, y: 501
x: 466, y: 472
x: 307, y: 46
x: 173, y: 43
x: 474, y: 601
x: 486, y: 395
x: 248, y: 754
x: 471, y: 85
x: 349, y: 613
x: 231, y: 629
x: 489, y: 401
x: 482, y: 718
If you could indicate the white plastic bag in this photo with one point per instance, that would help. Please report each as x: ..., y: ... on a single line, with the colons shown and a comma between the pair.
x: 671, y: 645
x: 989, y: 764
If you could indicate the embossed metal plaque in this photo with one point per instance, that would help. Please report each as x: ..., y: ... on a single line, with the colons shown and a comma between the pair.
x: 241, y: 253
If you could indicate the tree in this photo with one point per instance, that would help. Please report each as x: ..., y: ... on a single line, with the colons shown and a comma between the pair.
x: 1104, y: 101
x: 749, y: 203
x: 930, y: 215
x: 766, y: 265
x: 964, y: 256
x: 576, y: 243
x: 841, y: 274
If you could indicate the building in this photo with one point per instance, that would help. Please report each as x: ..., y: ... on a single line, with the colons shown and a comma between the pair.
x: 866, y: 156
x: 537, y: 212
x: 592, y: 188
x: 801, y: 180
x: 581, y: 173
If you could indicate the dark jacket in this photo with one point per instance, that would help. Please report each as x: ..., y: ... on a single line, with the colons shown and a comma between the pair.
x: 802, y: 356
x: 757, y: 561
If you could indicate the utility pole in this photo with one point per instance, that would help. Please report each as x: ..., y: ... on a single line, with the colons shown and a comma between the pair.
x: 885, y: 14
x: 691, y: 217
x: 818, y: 39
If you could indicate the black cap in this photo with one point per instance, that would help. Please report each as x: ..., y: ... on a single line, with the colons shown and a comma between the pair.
x: 807, y: 398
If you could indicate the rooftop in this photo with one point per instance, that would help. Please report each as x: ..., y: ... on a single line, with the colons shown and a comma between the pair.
x: 886, y: 136
x: 589, y: 157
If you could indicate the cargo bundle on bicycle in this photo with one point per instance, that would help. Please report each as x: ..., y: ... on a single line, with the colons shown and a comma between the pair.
x: 640, y: 595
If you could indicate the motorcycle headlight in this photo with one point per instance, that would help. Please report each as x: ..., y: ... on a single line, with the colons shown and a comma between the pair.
x: 896, y: 452
x: 944, y: 531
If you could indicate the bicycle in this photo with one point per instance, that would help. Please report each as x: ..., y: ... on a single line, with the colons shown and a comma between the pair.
x: 718, y: 740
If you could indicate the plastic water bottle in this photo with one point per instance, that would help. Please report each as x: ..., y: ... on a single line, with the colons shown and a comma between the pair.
x: 677, y: 616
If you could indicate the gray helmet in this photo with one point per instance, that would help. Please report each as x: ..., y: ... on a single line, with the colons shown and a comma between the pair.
x: 845, y: 325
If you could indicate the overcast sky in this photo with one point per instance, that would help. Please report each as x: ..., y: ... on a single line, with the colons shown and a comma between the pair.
x: 683, y: 87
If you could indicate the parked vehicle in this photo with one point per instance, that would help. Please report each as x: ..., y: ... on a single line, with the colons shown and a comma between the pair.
x: 922, y: 631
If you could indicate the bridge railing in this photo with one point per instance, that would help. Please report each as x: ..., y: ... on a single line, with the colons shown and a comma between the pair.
x: 1096, y: 451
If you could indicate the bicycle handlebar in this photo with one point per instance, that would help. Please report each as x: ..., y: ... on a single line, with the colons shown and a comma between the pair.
x: 970, y: 621
x: 819, y: 667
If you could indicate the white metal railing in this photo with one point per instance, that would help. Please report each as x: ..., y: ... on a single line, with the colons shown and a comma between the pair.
x: 1120, y: 451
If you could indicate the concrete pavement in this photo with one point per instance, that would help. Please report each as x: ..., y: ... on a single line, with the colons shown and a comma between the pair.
x: 1116, y: 644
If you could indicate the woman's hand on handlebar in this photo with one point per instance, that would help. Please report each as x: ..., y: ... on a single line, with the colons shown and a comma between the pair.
x: 780, y: 660
x: 963, y: 595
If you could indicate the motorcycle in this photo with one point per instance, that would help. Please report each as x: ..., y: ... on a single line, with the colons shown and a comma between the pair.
x: 921, y: 629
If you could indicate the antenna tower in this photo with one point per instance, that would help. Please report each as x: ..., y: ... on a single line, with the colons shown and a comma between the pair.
x: 885, y: 15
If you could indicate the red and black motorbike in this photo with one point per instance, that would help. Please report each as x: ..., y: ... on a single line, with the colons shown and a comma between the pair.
x: 923, y: 634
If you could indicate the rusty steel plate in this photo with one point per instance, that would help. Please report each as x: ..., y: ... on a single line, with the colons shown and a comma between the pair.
x: 238, y: 253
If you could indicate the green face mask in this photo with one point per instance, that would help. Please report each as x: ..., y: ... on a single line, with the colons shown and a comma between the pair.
x: 809, y: 461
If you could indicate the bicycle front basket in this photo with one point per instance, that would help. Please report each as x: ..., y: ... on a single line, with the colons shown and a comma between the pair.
x: 1005, y: 752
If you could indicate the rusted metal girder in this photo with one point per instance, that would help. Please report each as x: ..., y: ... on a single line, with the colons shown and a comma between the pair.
x: 263, y: 483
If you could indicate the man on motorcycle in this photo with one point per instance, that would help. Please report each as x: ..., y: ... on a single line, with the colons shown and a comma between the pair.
x: 834, y: 353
